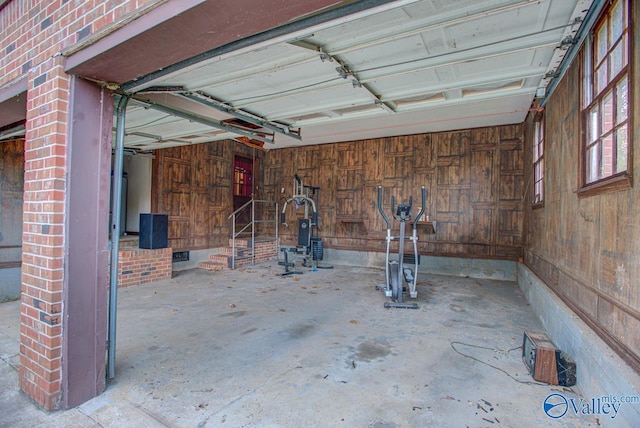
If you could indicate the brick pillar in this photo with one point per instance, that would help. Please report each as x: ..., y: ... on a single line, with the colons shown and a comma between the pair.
x: 43, y: 235
x: 65, y: 238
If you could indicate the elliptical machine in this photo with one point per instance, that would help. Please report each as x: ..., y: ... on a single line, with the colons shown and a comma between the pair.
x: 396, y: 273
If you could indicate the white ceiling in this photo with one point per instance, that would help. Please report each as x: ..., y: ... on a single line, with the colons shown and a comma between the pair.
x: 404, y: 68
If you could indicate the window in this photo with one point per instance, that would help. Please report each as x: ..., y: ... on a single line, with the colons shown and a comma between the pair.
x: 605, y: 152
x: 243, y: 177
x: 538, y: 159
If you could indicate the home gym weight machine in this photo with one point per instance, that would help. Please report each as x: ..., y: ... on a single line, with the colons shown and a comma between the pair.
x: 308, y: 244
x: 396, y: 273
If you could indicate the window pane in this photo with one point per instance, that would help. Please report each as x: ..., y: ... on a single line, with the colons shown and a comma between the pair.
x: 592, y: 164
x: 607, y: 156
x: 607, y: 113
x: 622, y: 97
x: 587, y: 89
x: 617, y: 59
x: 617, y: 21
x: 540, y: 150
x: 621, y: 141
x: 601, y: 43
x: 601, y: 77
x: 593, y: 124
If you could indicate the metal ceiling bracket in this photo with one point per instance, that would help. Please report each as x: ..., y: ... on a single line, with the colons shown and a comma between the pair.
x: 203, y: 120
x: 345, y: 71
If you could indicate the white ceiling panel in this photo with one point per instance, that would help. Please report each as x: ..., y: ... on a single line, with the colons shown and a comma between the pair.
x: 413, y: 66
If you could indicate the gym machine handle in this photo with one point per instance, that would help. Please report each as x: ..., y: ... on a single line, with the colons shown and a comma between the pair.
x: 424, y: 201
x: 384, y: 216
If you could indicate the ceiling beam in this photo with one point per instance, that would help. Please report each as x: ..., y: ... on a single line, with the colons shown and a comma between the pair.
x: 202, y: 120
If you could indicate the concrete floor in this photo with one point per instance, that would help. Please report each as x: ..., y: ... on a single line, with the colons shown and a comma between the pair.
x: 250, y: 348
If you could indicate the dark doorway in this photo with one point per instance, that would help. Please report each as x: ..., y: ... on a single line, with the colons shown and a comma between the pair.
x: 242, y: 186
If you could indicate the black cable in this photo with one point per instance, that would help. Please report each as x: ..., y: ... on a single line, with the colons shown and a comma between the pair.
x: 490, y: 365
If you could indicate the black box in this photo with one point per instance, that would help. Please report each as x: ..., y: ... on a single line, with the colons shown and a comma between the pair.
x: 153, y: 231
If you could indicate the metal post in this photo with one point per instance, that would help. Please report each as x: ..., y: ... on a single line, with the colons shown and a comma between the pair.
x: 233, y: 241
x: 253, y: 232
x: 277, y: 236
x: 400, y: 259
x: 115, y: 235
x: 416, y: 256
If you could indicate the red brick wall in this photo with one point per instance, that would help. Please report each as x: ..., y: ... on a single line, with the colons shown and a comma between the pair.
x: 139, y: 266
x: 267, y: 250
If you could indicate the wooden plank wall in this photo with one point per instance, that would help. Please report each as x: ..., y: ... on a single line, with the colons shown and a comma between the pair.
x: 473, y: 178
x: 586, y: 249
x: 11, y: 199
x: 193, y: 185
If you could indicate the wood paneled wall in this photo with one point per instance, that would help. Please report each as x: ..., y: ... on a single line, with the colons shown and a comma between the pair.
x: 11, y: 199
x: 587, y: 248
x: 473, y: 178
x: 192, y: 184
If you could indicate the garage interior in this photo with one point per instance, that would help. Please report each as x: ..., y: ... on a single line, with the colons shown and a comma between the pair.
x: 350, y: 96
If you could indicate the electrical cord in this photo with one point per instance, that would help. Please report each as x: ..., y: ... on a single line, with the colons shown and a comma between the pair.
x: 490, y: 365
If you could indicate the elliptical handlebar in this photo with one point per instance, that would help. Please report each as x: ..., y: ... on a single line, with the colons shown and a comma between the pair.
x: 424, y: 201
x: 384, y: 216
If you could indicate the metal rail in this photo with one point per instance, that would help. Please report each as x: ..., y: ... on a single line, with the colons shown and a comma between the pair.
x: 251, y: 225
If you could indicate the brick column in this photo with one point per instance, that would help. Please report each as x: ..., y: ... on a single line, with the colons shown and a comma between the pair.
x: 65, y: 238
x: 43, y: 234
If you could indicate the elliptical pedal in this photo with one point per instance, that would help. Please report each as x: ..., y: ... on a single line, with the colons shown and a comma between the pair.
x: 408, y: 275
